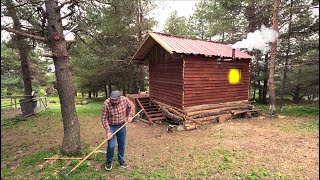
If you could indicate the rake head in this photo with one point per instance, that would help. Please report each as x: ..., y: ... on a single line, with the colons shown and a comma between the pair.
x: 64, y: 174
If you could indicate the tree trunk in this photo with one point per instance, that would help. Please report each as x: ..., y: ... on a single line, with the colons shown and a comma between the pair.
x: 284, y: 78
x: 124, y: 91
x: 258, y: 82
x: 89, y: 94
x: 260, y: 91
x: 297, y: 97
x: 223, y: 37
x: 57, y: 43
x: 265, y: 80
x: 250, y: 19
x: 254, y: 91
x: 139, y: 25
x: 272, y: 103
x: 22, y: 45
x: 110, y: 88
x: 106, y: 90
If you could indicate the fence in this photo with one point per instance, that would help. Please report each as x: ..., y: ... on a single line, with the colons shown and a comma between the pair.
x: 14, y: 102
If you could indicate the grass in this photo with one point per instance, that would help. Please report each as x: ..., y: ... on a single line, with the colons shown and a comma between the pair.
x: 203, y: 164
x: 305, y: 111
x: 293, y: 110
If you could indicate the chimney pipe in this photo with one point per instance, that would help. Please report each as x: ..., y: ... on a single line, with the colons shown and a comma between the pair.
x: 233, y: 54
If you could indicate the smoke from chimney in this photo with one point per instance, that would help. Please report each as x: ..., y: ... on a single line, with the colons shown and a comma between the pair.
x: 258, y: 39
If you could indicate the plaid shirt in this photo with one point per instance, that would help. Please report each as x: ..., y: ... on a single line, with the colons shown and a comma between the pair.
x: 116, y: 114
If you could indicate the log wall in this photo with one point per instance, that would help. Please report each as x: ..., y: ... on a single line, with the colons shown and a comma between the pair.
x: 207, y: 82
x: 165, y: 75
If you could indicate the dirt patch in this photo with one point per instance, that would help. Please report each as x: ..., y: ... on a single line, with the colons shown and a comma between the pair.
x: 217, y: 151
x: 11, y: 113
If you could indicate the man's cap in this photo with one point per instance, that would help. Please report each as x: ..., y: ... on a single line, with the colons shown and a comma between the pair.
x: 115, y: 94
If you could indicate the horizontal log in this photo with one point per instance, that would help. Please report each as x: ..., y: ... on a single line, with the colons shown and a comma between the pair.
x: 210, y: 75
x: 206, y: 98
x: 213, y: 106
x: 166, y: 96
x: 173, y: 109
x: 209, y: 118
x: 204, y: 82
x: 219, y: 90
x: 237, y: 112
x: 206, y: 87
x: 213, y: 62
x: 214, y: 69
x: 156, y: 81
x: 169, y: 102
x: 166, y: 80
x: 173, y: 117
x: 216, y: 87
x: 214, y: 112
x: 175, y: 61
x: 223, y: 97
x: 189, y: 127
x: 215, y: 101
x: 166, y: 93
x: 168, y: 87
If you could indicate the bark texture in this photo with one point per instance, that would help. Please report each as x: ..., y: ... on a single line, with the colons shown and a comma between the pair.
x: 272, y: 103
x: 22, y: 45
x: 57, y: 43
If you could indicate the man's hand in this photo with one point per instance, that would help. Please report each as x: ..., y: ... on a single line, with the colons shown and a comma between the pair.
x: 130, y: 119
x: 108, y: 135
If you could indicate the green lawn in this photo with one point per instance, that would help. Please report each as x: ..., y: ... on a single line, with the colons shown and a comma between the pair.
x: 309, y: 111
x: 197, y: 154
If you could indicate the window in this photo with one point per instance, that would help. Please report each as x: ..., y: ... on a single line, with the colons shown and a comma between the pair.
x: 234, y: 76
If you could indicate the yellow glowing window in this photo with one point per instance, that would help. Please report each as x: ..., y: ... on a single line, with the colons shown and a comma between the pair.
x: 234, y: 76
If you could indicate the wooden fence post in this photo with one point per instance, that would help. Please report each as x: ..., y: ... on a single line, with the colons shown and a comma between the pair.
x: 15, y: 102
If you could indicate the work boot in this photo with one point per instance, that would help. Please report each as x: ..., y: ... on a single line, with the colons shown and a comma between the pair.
x: 123, y: 165
x: 108, y: 166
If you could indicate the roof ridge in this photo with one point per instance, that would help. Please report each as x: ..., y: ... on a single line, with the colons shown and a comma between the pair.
x: 170, y: 35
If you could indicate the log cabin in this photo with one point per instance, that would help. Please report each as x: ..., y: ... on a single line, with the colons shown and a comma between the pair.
x: 195, y: 81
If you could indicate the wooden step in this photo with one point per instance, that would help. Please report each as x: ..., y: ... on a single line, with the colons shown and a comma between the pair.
x: 157, y: 118
x: 152, y: 111
x: 155, y: 115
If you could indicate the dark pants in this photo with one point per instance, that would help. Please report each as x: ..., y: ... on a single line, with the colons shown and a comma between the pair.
x: 121, y: 140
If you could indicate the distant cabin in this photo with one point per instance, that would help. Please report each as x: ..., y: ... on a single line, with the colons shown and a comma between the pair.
x: 187, y: 74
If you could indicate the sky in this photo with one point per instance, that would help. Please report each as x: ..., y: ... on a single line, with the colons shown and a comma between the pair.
x: 166, y: 7
x: 161, y: 13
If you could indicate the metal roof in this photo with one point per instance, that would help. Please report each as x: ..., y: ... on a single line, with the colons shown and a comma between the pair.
x: 180, y: 45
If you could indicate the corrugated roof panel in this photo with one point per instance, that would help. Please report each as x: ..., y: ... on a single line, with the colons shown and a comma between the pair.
x: 199, y: 47
x: 189, y: 46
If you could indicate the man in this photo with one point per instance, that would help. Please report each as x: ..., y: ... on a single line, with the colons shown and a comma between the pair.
x: 115, y: 112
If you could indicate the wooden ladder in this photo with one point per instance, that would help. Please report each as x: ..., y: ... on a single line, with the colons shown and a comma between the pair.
x: 151, y: 109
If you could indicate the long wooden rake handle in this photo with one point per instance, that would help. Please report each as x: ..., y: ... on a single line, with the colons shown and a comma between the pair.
x: 101, y: 145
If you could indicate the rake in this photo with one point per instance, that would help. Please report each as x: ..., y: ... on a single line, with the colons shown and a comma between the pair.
x: 67, y: 175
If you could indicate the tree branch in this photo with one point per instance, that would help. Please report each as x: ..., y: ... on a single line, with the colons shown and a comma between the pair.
x: 40, y: 38
x: 28, y: 35
x: 64, y: 3
x: 69, y: 14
